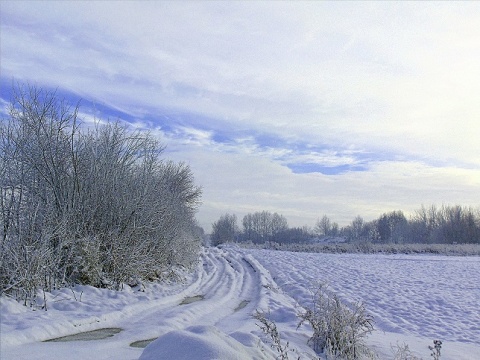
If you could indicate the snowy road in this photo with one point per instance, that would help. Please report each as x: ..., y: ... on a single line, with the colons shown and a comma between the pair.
x: 209, y: 315
x: 218, y: 299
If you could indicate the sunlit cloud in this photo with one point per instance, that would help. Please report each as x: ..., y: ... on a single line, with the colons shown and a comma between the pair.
x: 303, y: 108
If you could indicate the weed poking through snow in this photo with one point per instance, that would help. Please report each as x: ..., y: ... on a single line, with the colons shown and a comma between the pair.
x: 270, y: 328
x: 402, y: 352
x: 435, y: 349
x: 338, y: 330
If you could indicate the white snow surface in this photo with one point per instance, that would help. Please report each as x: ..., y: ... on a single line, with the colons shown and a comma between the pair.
x: 414, y: 299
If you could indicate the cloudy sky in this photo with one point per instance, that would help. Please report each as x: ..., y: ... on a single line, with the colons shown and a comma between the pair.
x: 301, y: 108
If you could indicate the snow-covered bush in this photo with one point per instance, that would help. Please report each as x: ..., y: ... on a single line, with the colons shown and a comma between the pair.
x: 402, y: 352
x: 95, y: 205
x: 338, y: 330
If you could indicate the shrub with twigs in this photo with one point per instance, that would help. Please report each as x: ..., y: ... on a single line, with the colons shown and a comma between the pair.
x: 270, y: 328
x: 338, y: 330
x: 403, y: 352
x: 90, y: 203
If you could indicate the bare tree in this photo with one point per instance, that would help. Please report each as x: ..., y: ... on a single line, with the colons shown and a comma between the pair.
x: 95, y: 205
x: 279, y: 224
x: 224, y: 229
x: 323, y: 227
x: 357, y: 230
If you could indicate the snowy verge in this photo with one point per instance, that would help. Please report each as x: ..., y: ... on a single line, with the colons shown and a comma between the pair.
x: 200, y: 342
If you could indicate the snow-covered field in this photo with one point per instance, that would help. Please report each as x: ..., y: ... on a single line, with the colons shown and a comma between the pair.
x: 414, y: 299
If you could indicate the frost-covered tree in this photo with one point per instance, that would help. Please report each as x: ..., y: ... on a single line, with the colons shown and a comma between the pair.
x: 263, y: 226
x: 278, y: 225
x: 356, y: 230
x: 96, y: 205
x: 447, y: 224
x: 392, y: 227
x: 224, y: 229
x: 323, y: 226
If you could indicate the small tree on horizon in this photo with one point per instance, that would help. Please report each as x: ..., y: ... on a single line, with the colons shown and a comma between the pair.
x: 224, y: 229
x: 323, y: 226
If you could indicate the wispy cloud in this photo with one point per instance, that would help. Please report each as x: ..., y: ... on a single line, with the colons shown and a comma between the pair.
x: 304, y: 107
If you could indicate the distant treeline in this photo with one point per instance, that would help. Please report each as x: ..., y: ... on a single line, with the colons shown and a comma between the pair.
x: 369, y: 248
x: 429, y: 225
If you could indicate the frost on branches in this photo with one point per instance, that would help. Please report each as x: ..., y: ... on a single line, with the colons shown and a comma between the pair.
x: 89, y: 204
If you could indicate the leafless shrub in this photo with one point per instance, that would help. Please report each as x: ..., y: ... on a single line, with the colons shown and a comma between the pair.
x: 92, y: 205
x: 269, y: 328
x: 402, y: 352
x: 338, y: 330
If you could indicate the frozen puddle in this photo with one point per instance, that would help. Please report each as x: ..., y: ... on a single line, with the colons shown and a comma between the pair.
x: 88, y: 335
x: 142, y: 343
x: 191, y: 299
x: 242, y: 305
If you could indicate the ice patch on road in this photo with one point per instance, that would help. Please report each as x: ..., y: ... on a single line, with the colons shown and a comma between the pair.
x: 88, y: 335
x: 192, y: 299
x: 242, y: 305
x: 142, y: 343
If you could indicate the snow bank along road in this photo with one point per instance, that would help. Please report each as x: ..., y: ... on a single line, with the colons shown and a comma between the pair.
x: 414, y: 299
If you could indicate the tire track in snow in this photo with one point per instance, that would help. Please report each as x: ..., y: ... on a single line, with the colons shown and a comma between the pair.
x: 224, y: 279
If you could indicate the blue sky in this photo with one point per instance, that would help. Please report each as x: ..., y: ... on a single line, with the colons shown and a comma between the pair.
x: 303, y: 108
